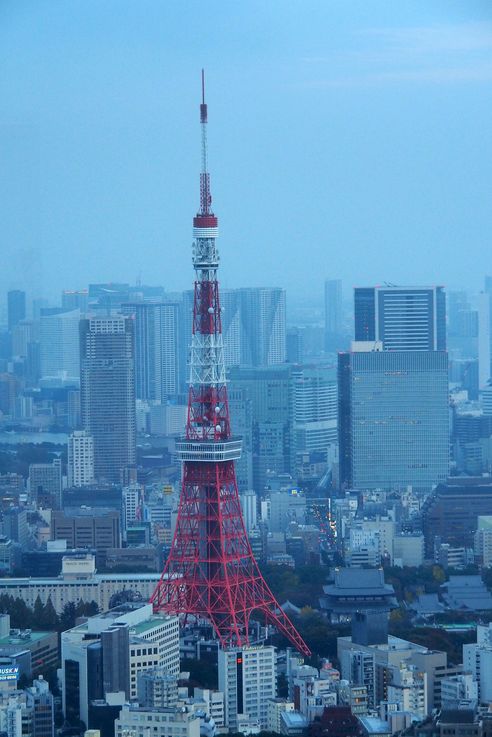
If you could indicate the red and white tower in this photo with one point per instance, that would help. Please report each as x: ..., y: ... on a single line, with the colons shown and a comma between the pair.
x: 211, y: 572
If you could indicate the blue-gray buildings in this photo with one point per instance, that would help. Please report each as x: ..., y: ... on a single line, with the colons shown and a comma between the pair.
x: 403, y: 318
x: 393, y: 418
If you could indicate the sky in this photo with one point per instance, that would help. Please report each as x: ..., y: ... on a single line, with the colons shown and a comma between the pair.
x: 347, y: 139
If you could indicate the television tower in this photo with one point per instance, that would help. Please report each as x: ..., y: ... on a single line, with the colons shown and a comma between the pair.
x: 211, y: 572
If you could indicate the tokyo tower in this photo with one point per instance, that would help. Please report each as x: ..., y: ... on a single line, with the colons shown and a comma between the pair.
x: 211, y: 572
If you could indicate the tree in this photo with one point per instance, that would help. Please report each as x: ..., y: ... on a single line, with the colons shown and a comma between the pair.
x: 49, y: 619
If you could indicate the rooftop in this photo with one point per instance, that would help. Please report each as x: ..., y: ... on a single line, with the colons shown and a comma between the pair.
x: 23, y: 638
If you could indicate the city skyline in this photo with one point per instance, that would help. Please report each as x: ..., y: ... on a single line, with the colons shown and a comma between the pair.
x: 98, y: 186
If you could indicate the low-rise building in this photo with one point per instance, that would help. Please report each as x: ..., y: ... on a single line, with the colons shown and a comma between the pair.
x: 87, y: 586
x: 158, y: 722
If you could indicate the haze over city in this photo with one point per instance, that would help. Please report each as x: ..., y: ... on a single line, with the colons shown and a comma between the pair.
x: 345, y: 139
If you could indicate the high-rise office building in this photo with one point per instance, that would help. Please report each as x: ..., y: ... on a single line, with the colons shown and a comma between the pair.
x: 484, y: 338
x: 240, y: 407
x: 157, y: 354
x: 263, y: 327
x: 247, y: 678
x: 402, y: 318
x: 231, y: 325
x: 294, y: 346
x: 16, y: 307
x: 107, y: 392
x: 270, y: 391
x: 73, y: 299
x: 59, y: 343
x: 393, y: 419
x: 333, y: 314
x: 45, y: 483
x: 315, y: 408
x: 80, y: 458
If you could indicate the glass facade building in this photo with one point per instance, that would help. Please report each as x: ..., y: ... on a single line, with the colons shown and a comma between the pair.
x: 393, y: 419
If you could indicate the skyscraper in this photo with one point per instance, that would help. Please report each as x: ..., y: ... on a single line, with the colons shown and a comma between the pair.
x: 263, y: 326
x: 16, y: 307
x: 269, y: 389
x: 59, y: 343
x: 403, y: 318
x: 393, y: 419
x: 73, y: 299
x: 315, y: 408
x: 157, y: 355
x: 333, y: 314
x: 107, y: 392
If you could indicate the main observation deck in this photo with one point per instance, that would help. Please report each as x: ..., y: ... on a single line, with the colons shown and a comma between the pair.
x: 209, y: 451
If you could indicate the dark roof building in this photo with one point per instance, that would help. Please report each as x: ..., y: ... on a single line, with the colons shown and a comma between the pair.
x: 357, y: 590
x: 450, y: 512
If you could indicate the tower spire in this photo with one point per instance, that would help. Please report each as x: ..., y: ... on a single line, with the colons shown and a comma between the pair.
x: 211, y: 572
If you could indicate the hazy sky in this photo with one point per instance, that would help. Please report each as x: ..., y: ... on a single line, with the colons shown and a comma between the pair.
x: 348, y: 138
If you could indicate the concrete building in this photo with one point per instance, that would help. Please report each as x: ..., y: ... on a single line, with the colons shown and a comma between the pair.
x: 157, y: 687
x: 45, y: 484
x: 249, y: 503
x: 390, y: 655
x: 105, y: 655
x: 42, y: 646
x: 107, y: 393
x: 458, y: 690
x: 247, y: 677
x: 408, y: 689
x: 483, y: 540
x: 275, y: 709
x: 80, y: 459
x: 451, y: 512
x: 87, y: 527
x: 79, y: 582
x: 477, y: 660
x: 408, y: 549
x: 159, y: 722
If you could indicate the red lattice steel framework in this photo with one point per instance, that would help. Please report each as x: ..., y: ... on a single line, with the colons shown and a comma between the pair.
x: 211, y: 572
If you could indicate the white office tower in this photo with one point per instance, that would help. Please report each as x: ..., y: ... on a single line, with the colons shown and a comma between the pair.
x: 408, y: 689
x: 248, y: 679
x: 80, y: 458
x: 132, y: 499
x: 249, y: 508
